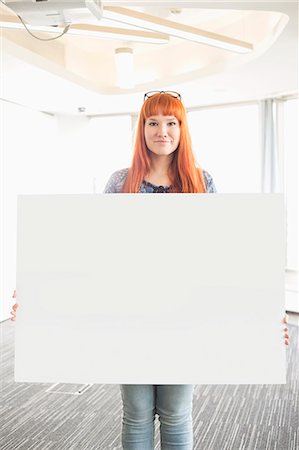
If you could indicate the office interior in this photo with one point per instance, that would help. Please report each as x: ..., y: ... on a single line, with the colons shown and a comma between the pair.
x: 68, y: 115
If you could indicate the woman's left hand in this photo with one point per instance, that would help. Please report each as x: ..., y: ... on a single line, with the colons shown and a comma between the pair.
x: 286, y: 330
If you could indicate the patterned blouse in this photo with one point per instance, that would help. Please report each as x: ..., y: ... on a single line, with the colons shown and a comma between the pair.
x: 117, y: 179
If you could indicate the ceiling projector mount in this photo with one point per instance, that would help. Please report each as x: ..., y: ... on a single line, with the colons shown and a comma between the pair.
x: 55, y: 12
x: 78, y: 17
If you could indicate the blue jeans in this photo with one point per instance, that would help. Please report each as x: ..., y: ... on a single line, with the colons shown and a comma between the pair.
x: 173, y: 404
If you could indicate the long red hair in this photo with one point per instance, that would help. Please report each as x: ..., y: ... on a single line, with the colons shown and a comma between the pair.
x: 184, y: 174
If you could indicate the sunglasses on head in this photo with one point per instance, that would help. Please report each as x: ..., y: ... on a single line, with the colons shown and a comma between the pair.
x: 171, y: 93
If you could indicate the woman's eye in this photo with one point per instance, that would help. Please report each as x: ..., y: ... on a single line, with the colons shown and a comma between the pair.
x: 172, y: 123
x: 152, y: 123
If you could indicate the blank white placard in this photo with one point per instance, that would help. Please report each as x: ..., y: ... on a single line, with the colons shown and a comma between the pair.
x: 150, y: 289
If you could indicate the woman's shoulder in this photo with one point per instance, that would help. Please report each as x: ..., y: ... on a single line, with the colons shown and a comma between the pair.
x: 116, y: 181
x: 209, y: 182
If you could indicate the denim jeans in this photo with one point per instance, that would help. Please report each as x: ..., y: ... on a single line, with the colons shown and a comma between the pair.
x: 172, y: 403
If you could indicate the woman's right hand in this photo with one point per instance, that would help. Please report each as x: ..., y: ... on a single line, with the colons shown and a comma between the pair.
x: 13, y: 312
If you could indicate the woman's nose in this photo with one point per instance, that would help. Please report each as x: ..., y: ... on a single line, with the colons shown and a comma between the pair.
x: 162, y: 130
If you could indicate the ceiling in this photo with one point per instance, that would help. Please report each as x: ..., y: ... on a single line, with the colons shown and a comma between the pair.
x: 71, y: 72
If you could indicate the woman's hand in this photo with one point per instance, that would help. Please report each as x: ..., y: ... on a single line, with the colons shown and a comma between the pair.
x: 286, y: 330
x: 13, y: 312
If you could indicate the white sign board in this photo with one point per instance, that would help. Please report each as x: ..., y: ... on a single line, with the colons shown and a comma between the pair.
x: 150, y: 289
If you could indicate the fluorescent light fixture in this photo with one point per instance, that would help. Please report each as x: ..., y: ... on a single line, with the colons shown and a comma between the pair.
x: 125, y: 67
x: 171, y: 28
x: 116, y: 33
x: 92, y: 31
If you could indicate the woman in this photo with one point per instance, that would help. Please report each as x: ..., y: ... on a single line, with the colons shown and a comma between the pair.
x: 163, y: 162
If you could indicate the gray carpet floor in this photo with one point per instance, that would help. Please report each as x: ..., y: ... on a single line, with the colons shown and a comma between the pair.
x: 61, y: 417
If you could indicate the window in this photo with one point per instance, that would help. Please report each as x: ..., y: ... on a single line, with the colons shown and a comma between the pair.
x: 226, y: 143
x: 290, y: 145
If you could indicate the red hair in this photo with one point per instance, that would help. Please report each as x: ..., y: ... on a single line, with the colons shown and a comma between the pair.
x: 183, y: 173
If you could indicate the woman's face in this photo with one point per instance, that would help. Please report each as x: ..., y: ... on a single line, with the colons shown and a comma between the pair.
x: 162, y: 134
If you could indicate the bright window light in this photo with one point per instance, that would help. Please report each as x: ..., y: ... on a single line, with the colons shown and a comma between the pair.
x: 226, y: 143
x: 290, y: 147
